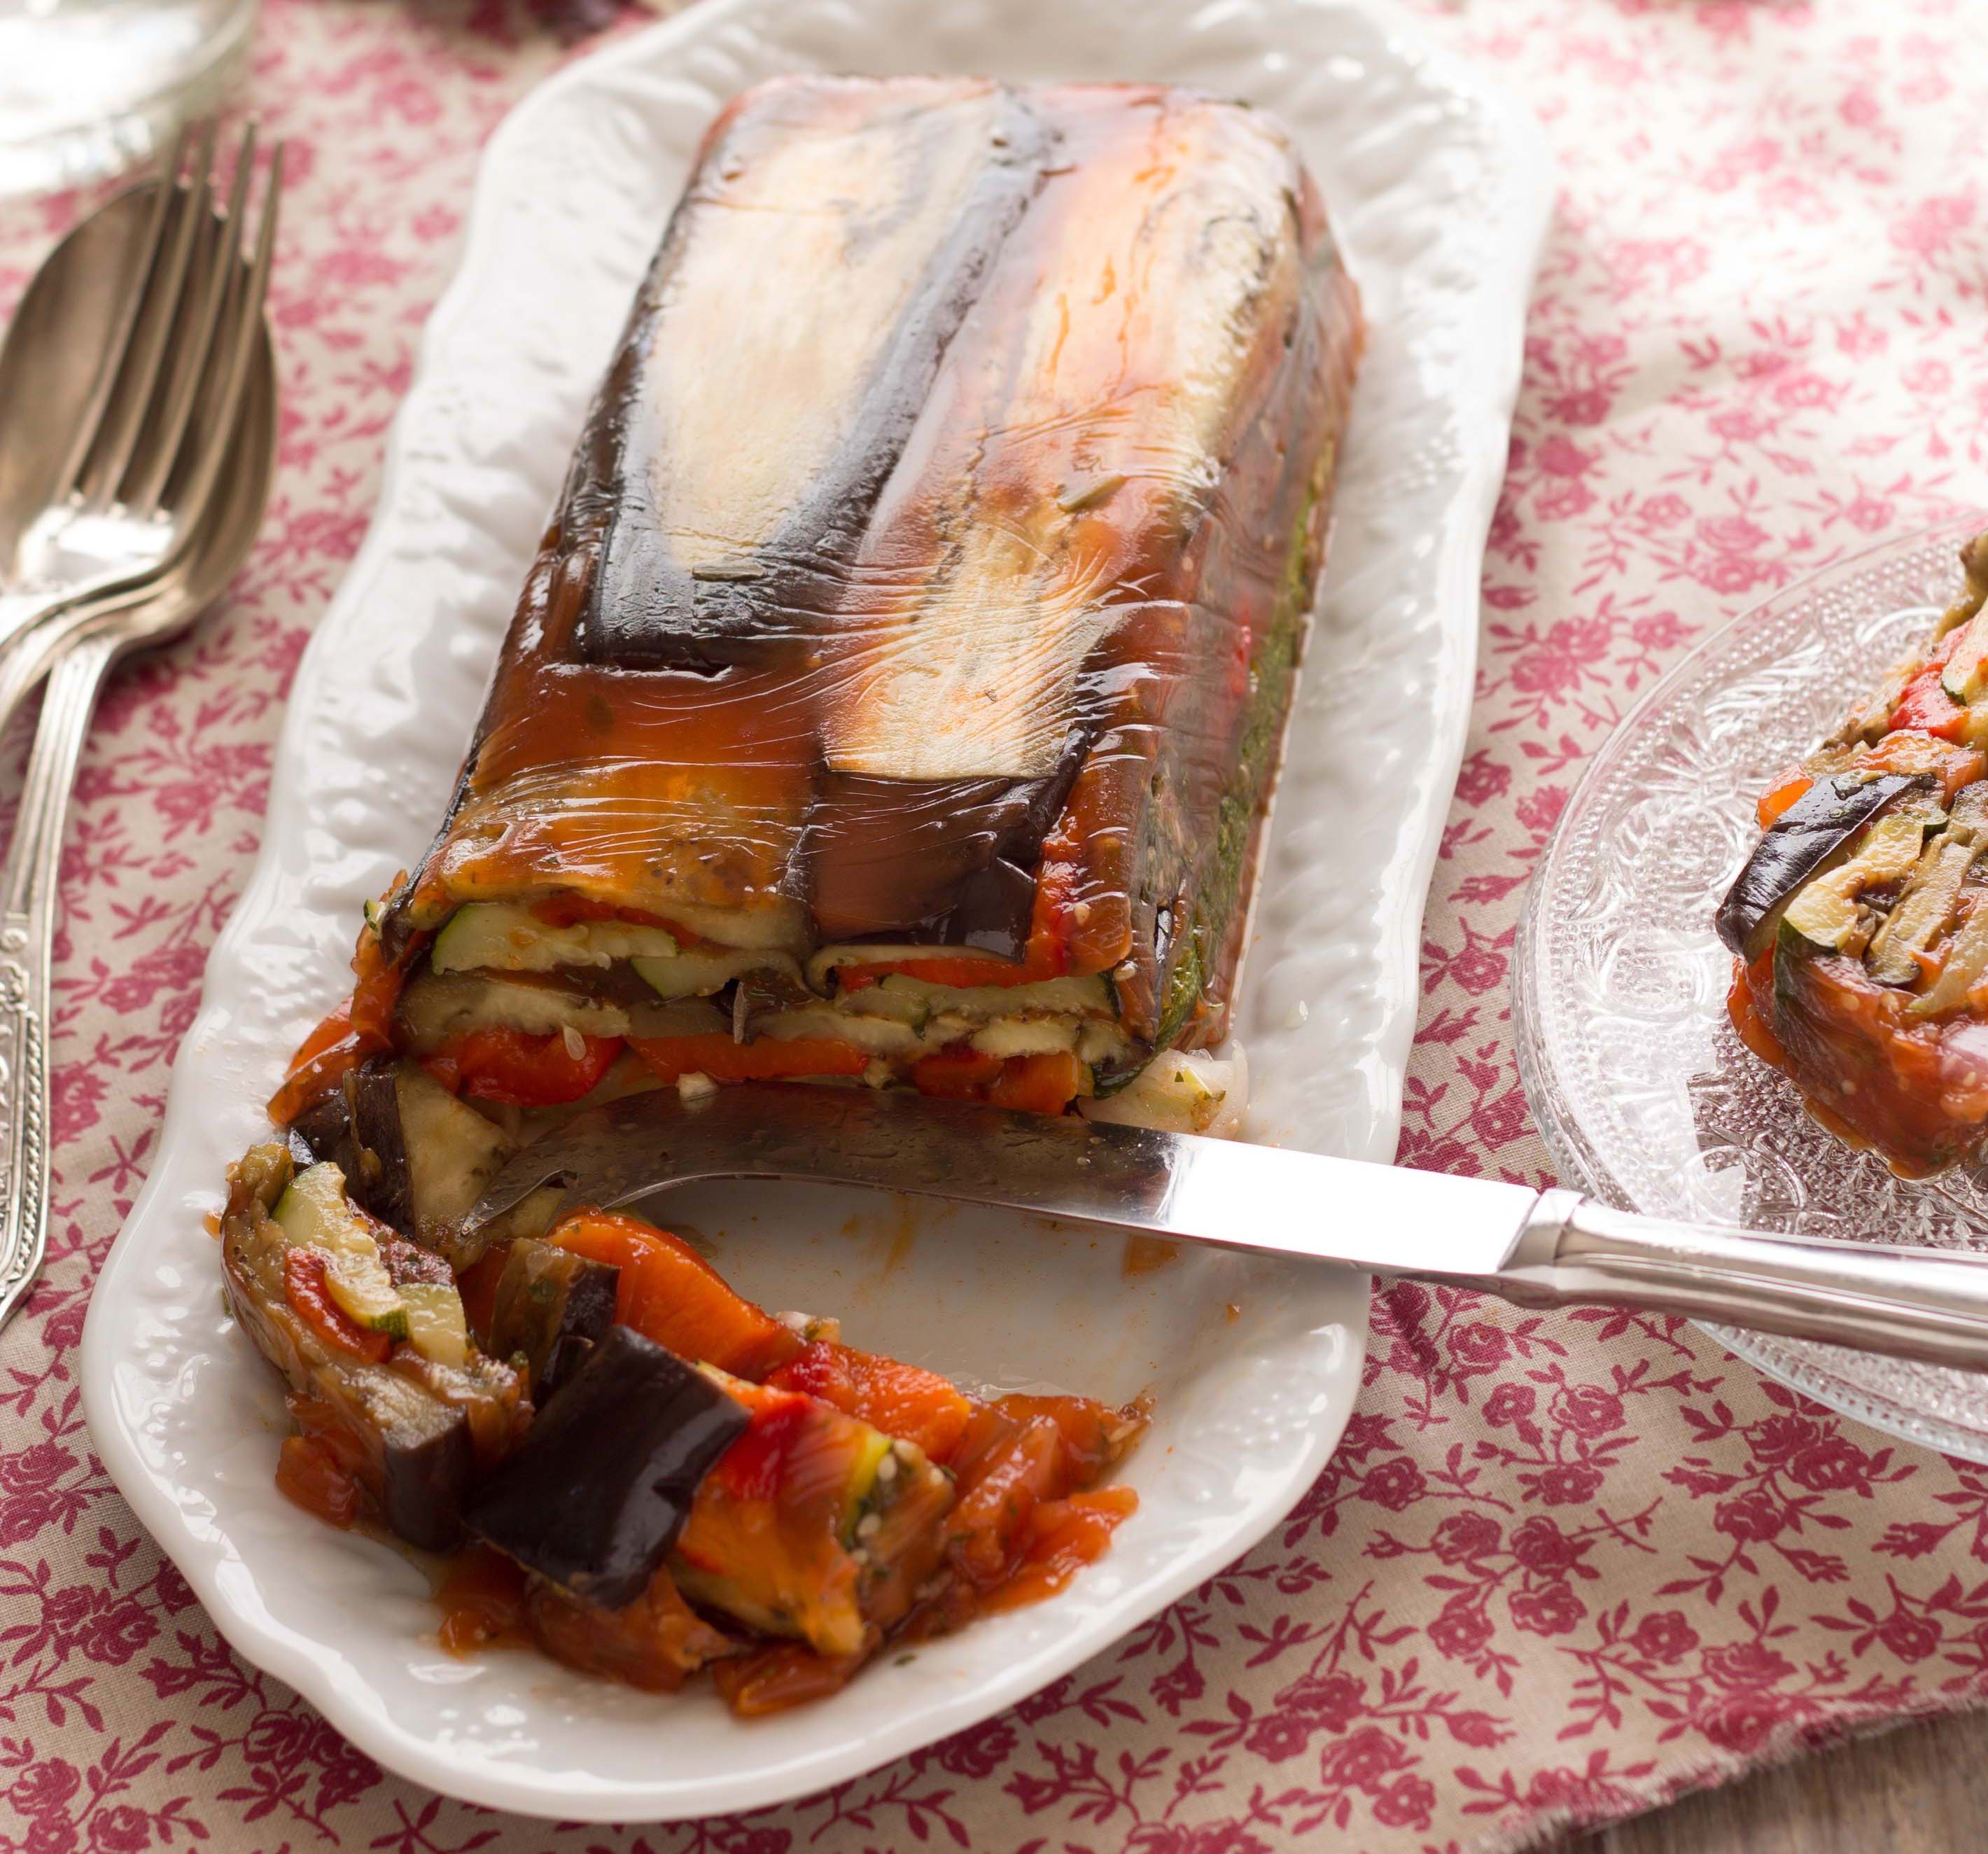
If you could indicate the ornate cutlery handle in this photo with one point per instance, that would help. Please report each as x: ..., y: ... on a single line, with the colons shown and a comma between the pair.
x: 1930, y: 1304
x: 27, y: 894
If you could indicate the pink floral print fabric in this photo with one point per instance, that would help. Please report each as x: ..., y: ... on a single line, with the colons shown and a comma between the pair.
x: 1560, y: 1567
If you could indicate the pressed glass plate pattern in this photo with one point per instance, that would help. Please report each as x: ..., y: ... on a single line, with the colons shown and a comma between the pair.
x: 1643, y: 1093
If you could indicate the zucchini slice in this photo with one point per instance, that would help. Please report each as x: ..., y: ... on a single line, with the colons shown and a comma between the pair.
x: 1816, y: 832
x: 436, y: 1326
x: 1933, y: 892
x: 1965, y: 674
x: 1966, y: 966
x: 500, y: 937
x: 699, y: 974
x: 1825, y: 915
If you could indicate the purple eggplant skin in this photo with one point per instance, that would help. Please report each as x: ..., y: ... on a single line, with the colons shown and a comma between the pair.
x: 595, y: 1497
x: 357, y: 1127
x: 415, y: 1451
x: 1819, y: 823
x: 552, y: 1307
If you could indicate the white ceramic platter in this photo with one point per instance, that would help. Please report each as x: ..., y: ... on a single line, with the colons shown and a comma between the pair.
x: 1440, y: 192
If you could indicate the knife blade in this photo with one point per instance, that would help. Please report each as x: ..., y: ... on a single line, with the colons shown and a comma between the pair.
x: 1541, y: 1249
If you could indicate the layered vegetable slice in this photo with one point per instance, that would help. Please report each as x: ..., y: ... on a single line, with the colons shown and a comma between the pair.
x: 1860, y: 923
x: 397, y: 1411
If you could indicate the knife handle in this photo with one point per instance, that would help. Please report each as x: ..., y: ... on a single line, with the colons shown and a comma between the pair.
x: 1929, y: 1304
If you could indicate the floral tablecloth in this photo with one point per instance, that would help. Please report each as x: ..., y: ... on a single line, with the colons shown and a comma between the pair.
x: 1560, y: 1567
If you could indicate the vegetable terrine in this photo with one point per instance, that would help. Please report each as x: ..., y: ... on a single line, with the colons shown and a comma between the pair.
x: 897, y: 692
x: 894, y: 702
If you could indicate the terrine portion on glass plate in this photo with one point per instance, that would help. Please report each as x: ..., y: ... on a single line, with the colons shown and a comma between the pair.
x: 1859, y: 924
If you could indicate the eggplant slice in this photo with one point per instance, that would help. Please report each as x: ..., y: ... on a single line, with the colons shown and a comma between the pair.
x: 552, y: 1308
x: 1821, y: 823
x: 416, y: 1449
x: 412, y: 1154
x: 602, y: 1485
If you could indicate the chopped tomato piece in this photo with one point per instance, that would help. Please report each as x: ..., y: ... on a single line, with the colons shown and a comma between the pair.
x: 1926, y: 705
x: 902, y: 1400
x: 1742, y: 1006
x: 669, y: 1293
x: 310, y: 1472
x: 1000, y: 1486
x: 1064, y: 1535
x: 482, y: 1601
x: 515, y: 1069
x: 765, y: 1059
x: 770, y: 1679
x: 310, y: 1299
x: 1094, y: 1435
x: 653, y: 1643
x: 1015, y: 1454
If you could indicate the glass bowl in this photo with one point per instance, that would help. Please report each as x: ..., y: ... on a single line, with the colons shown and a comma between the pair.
x: 1642, y: 1092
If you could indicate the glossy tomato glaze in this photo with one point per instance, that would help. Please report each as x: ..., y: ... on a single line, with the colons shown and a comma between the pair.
x: 759, y: 733
x: 1027, y: 1512
x: 1873, y: 1073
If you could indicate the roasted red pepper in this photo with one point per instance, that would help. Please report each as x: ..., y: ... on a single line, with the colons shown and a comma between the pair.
x: 764, y: 1059
x: 1045, y: 1084
x: 310, y: 1297
x: 669, y: 1293
x: 516, y: 1069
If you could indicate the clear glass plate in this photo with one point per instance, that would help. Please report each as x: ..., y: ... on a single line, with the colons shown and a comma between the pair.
x: 1641, y: 1091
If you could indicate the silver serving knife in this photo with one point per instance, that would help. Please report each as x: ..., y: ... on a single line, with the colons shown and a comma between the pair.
x: 1540, y: 1249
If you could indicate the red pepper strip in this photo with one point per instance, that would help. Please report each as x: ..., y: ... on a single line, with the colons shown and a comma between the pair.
x: 379, y: 980
x: 906, y: 1401
x: 1045, y: 1084
x: 669, y: 1293
x: 1064, y: 1535
x: 309, y: 1472
x: 515, y: 1069
x: 765, y: 1059
x: 1034, y: 1084
x: 304, y: 1288
x: 960, y: 1073
x: 360, y: 1027
x: 1926, y: 706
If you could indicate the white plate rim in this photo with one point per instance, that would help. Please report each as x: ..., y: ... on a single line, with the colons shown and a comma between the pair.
x: 1497, y: 353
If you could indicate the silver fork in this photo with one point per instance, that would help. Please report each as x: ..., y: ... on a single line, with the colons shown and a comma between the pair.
x: 140, y: 470
x: 202, y: 418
